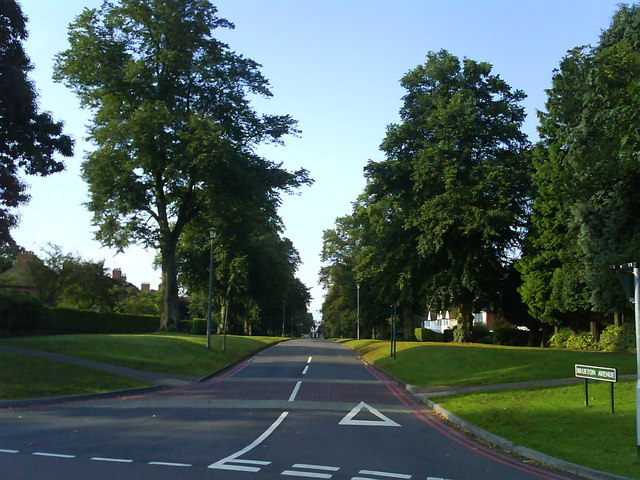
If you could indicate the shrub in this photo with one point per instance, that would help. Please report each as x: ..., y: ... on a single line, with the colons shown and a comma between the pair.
x: 559, y: 339
x: 68, y: 320
x: 618, y: 339
x: 20, y: 312
x: 428, y: 335
x: 459, y: 334
x: 511, y: 336
x: 582, y: 341
x: 480, y: 334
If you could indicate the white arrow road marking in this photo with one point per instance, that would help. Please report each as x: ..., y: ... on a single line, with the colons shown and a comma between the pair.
x: 307, y: 474
x: 224, y: 463
x: 383, y: 422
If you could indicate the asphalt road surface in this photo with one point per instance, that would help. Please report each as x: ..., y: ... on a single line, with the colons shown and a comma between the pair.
x: 301, y: 409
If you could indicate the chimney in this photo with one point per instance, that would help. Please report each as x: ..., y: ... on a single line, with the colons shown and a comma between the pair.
x: 146, y: 287
x: 116, y: 274
x: 26, y: 257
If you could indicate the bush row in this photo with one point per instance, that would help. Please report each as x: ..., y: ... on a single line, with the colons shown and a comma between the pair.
x: 198, y: 326
x: 612, y: 339
x: 20, y: 313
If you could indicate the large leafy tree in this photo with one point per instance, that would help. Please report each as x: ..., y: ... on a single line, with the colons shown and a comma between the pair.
x: 588, y: 180
x: 454, y: 185
x: 30, y: 140
x: 172, y: 122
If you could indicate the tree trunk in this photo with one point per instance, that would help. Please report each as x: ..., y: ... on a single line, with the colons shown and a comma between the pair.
x: 616, y: 319
x: 170, y: 305
x: 466, y: 310
x: 407, y: 322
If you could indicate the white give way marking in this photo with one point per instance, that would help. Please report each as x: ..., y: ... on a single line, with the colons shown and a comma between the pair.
x: 225, y: 463
x: 383, y: 421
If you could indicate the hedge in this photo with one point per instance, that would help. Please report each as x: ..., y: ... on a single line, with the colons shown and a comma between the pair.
x: 83, y: 321
x: 428, y: 335
x: 20, y: 313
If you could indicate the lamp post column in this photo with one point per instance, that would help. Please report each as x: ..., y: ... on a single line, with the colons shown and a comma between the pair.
x: 210, y: 298
x: 358, y: 311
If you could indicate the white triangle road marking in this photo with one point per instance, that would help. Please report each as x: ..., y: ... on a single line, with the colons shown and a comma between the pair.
x: 383, y: 422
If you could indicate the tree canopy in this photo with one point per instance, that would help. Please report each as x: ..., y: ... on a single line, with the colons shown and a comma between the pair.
x: 30, y: 140
x: 172, y: 122
x: 587, y: 178
x: 441, y: 215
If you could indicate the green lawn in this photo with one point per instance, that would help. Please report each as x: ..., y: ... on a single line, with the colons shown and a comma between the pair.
x: 556, y: 422
x: 169, y: 352
x: 550, y: 420
x: 456, y: 364
x: 30, y: 377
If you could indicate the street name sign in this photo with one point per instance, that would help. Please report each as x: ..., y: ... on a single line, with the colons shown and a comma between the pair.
x: 604, y: 374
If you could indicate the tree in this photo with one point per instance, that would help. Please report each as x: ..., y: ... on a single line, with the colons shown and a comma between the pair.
x: 29, y: 140
x: 66, y: 280
x: 454, y: 186
x: 587, y: 177
x: 171, y: 121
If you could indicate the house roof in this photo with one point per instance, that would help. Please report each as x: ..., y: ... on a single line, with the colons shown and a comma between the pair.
x: 20, y: 275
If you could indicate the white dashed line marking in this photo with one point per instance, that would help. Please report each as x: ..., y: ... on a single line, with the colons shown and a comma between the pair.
x: 304, y: 372
x: 292, y: 397
x: 169, y: 464
x: 115, y: 460
x: 399, y: 476
x: 2, y: 450
x: 54, y: 455
x: 309, y: 361
x: 307, y: 474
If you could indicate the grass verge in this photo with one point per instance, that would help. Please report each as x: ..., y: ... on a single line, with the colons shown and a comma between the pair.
x: 551, y: 420
x: 29, y: 377
x: 162, y: 352
x: 556, y: 422
x: 457, y: 364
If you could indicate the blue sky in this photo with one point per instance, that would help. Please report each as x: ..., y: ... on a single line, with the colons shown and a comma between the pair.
x: 335, y: 66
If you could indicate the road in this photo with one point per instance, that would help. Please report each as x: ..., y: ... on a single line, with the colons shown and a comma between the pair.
x: 301, y: 409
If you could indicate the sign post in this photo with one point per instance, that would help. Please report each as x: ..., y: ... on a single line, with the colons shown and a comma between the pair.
x: 602, y: 374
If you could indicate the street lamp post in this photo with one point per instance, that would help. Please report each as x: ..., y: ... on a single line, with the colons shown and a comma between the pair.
x: 358, y: 311
x: 635, y: 268
x: 210, y: 298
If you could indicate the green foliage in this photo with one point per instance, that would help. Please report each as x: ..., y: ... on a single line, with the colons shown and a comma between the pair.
x: 66, y: 320
x: 560, y: 338
x: 586, y: 174
x: 582, y: 341
x: 20, y: 312
x: 480, y: 334
x: 565, y: 338
x: 174, y: 128
x: 618, y: 339
x: 29, y: 140
x: 428, y: 335
x: 198, y: 326
x: 511, y: 336
x: 459, y: 333
x: 25, y: 313
x: 141, y: 303
x: 442, y: 213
